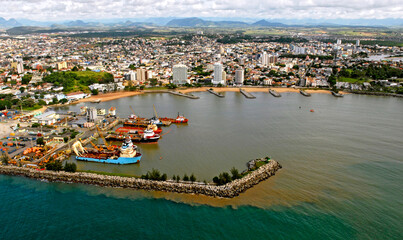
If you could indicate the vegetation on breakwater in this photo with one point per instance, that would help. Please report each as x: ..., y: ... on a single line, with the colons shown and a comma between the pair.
x: 229, y: 190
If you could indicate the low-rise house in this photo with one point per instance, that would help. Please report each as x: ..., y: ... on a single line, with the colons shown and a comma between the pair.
x: 74, y: 96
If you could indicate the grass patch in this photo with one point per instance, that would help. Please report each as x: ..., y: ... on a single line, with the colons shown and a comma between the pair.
x: 109, y: 174
x: 351, y: 80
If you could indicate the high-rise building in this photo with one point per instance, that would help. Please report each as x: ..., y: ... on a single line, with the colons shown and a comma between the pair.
x: 18, y: 66
x: 92, y: 114
x: 218, y: 74
x: 180, y: 74
x: 264, y: 59
x: 357, y: 43
x: 239, y: 78
x: 141, y: 75
x: 338, y: 41
x: 224, y: 77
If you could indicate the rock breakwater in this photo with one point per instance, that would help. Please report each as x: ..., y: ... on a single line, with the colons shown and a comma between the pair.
x: 228, y: 190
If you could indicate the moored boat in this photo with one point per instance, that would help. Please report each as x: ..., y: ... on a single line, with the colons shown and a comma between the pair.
x: 148, y: 136
x: 126, y: 154
x: 178, y: 119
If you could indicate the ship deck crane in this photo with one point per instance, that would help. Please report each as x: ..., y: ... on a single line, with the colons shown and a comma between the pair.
x: 155, y: 111
x: 109, y: 147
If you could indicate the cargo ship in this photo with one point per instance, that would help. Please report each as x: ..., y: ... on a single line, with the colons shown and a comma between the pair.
x: 126, y: 154
x: 148, y: 136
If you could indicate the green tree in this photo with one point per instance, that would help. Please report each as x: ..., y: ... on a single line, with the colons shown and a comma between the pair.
x: 70, y: 167
x: 94, y: 91
x: 66, y: 139
x: 153, y: 82
x: 185, y: 177
x: 54, y: 166
x: 26, y: 79
x: 40, y: 141
x: 4, y: 159
x: 74, y: 69
x: 192, y: 178
x: 63, y: 100
x: 332, y: 80
x: 235, y: 173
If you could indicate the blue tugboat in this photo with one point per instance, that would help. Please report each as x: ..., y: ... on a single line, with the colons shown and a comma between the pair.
x: 126, y: 154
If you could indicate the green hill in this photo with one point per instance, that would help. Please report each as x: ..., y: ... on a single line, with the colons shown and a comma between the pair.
x: 77, y: 81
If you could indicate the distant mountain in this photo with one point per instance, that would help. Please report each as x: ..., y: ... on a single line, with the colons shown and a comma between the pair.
x: 264, y: 23
x: 198, y: 22
x: 187, y: 22
x: 9, y: 23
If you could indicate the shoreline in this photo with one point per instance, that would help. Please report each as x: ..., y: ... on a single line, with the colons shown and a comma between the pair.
x: 256, y: 89
x: 116, y: 95
x: 229, y: 190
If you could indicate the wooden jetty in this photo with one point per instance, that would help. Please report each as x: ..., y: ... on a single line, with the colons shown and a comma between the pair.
x: 304, y: 93
x: 274, y: 93
x: 246, y: 94
x: 215, y: 93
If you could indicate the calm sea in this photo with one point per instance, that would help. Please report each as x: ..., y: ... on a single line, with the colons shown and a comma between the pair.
x: 341, y: 176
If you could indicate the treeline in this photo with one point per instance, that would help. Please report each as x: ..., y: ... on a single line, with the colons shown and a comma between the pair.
x: 27, y: 103
x: 58, y: 166
x: 224, y: 178
x: 377, y: 72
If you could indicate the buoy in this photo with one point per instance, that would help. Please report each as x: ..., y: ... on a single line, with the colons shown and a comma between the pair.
x: 312, y: 110
x: 160, y: 158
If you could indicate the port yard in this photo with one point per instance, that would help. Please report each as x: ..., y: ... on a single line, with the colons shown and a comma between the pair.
x: 71, y: 126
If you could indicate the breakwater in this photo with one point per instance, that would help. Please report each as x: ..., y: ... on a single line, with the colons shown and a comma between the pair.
x: 215, y: 93
x: 274, y: 93
x: 228, y: 190
x: 188, y: 95
x: 306, y: 94
x: 247, y: 94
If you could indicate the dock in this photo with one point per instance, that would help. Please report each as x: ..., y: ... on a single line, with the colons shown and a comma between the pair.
x: 188, y: 95
x: 215, y: 93
x: 304, y: 93
x: 337, y: 94
x: 274, y: 93
x: 246, y: 94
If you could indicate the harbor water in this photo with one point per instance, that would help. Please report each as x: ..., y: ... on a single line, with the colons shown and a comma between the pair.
x: 341, y: 176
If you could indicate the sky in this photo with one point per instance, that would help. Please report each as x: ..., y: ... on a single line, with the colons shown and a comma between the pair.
x: 54, y: 10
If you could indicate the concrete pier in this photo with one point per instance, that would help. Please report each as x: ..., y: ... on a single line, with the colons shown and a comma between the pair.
x: 274, y: 93
x: 215, y: 93
x: 188, y: 95
x: 246, y: 94
x: 304, y: 93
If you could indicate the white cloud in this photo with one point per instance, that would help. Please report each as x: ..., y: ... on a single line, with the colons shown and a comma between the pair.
x: 46, y: 10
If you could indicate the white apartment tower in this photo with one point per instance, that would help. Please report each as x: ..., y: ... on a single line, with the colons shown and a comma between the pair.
x: 239, y: 77
x: 180, y: 74
x: 264, y: 59
x: 218, y: 74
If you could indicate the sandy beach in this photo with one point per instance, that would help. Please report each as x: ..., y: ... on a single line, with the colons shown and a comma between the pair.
x: 110, y: 96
